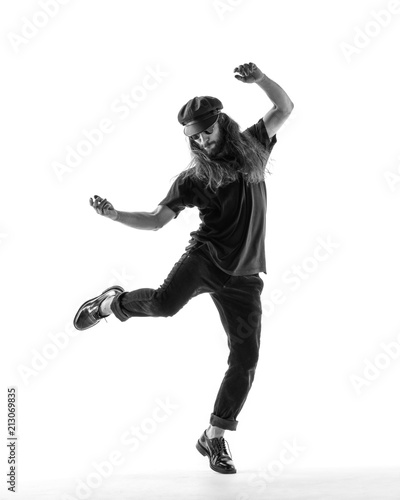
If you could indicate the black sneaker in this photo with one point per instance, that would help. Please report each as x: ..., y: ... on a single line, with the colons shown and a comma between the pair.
x: 215, y: 449
x: 88, y: 314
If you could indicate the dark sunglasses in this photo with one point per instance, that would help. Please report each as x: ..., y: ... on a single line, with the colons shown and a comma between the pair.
x: 208, y: 131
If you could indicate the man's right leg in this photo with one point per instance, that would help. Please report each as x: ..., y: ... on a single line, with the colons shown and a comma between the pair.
x: 191, y: 275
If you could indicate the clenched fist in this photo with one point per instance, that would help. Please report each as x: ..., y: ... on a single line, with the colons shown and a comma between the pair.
x: 248, y: 73
x: 103, y: 207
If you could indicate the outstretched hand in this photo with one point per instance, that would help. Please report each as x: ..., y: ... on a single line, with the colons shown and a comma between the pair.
x: 103, y: 207
x: 248, y: 73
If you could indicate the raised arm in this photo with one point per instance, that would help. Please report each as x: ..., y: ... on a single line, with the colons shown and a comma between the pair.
x: 138, y: 220
x: 282, y: 105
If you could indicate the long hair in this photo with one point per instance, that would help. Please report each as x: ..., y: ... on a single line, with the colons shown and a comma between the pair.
x: 242, y: 155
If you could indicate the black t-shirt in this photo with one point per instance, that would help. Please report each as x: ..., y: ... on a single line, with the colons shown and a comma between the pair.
x: 232, y: 218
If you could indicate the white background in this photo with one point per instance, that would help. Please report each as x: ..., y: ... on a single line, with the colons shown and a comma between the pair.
x: 330, y: 181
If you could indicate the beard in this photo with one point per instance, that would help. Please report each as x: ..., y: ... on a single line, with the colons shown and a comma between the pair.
x: 222, y: 154
x: 216, y: 150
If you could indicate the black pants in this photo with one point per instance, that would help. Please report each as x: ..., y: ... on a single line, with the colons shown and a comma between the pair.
x: 237, y: 299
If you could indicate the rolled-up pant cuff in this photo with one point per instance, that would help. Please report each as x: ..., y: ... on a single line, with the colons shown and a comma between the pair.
x: 116, y: 308
x: 223, y: 423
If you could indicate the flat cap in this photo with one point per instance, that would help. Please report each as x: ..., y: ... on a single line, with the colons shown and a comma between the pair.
x: 199, y: 113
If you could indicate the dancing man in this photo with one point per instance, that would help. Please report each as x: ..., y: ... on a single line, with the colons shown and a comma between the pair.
x: 225, y: 180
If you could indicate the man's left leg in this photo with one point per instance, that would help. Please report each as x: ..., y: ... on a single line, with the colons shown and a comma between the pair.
x: 239, y: 306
